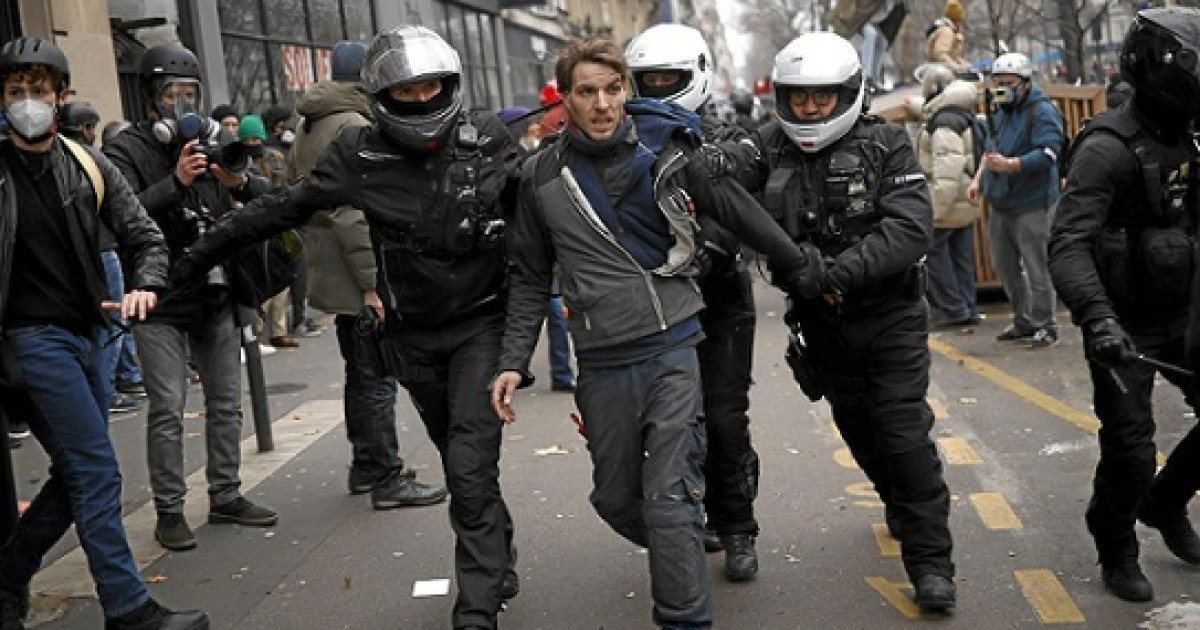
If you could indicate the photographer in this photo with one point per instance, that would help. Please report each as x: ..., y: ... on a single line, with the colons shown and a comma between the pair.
x: 167, y: 162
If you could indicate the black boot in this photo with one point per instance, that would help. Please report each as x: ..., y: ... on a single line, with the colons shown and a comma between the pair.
x: 1123, y: 577
x: 13, y: 609
x: 741, y: 561
x: 1176, y: 530
x: 935, y: 593
x: 152, y: 616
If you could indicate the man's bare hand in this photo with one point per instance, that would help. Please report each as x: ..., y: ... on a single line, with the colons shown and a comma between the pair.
x: 503, y: 390
x: 135, y: 305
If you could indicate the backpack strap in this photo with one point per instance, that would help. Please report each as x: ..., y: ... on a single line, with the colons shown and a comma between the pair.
x: 88, y: 163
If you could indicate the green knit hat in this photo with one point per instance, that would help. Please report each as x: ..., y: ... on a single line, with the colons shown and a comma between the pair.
x: 252, y: 127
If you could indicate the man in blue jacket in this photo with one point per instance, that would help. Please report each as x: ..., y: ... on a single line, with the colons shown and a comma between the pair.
x: 611, y: 200
x: 1019, y: 179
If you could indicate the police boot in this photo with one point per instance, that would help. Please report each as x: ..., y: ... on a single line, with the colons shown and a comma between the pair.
x: 1123, y: 577
x: 741, y: 560
x: 1176, y: 529
x: 935, y: 593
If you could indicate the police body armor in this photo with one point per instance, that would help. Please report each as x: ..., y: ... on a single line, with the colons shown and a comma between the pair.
x: 831, y: 199
x: 1146, y: 252
x: 448, y: 263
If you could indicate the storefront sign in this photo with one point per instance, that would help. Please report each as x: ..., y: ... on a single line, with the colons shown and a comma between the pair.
x: 304, y: 66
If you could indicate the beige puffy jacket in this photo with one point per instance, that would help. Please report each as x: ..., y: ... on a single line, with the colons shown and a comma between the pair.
x: 945, y: 46
x: 948, y: 158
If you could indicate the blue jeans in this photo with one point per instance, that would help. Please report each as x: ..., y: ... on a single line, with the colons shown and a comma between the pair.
x: 65, y: 378
x: 647, y: 441
x: 951, y: 265
x: 369, y: 404
x: 122, y: 352
x: 559, y: 343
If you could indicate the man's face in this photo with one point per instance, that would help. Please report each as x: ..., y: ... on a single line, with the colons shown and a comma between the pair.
x: 89, y: 135
x: 180, y: 97
x: 812, y: 104
x: 661, y: 78
x: 596, y: 101
x: 1007, y: 80
x: 417, y: 91
x: 230, y: 124
x: 20, y: 86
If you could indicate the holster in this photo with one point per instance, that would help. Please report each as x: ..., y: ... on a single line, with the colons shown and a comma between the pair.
x: 803, y: 372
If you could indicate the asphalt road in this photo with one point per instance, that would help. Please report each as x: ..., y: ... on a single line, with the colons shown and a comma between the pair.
x: 1014, y: 428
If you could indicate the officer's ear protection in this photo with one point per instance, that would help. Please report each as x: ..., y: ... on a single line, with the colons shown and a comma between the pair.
x: 186, y: 128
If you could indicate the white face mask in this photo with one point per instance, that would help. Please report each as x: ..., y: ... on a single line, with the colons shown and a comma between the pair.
x: 31, y: 119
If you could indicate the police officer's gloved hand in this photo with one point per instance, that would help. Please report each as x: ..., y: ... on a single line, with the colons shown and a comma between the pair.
x: 716, y: 161
x: 803, y: 280
x: 1107, y: 343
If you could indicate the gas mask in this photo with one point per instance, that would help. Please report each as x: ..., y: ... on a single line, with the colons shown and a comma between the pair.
x: 1006, y: 96
x: 31, y: 119
x: 179, y: 121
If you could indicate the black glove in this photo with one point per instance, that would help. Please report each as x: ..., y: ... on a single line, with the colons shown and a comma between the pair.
x: 804, y: 280
x: 1107, y: 343
x: 716, y: 161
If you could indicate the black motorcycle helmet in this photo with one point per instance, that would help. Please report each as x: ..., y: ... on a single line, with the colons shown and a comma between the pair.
x: 1160, y: 58
x: 161, y: 65
x: 73, y: 117
x: 24, y: 52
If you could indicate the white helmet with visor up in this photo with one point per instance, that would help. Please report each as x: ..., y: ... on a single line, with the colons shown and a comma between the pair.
x: 672, y: 48
x: 818, y: 63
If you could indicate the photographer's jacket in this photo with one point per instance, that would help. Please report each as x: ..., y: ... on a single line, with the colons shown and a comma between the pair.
x: 863, y: 201
x: 624, y: 240
x: 1123, y: 241
x: 182, y: 213
x: 436, y: 222
x: 141, y: 243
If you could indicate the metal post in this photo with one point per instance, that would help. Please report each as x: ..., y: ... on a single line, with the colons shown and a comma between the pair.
x: 256, y: 379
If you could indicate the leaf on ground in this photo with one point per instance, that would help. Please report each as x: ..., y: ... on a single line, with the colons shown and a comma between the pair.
x: 193, y: 415
x: 554, y: 449
x: 157, y: 578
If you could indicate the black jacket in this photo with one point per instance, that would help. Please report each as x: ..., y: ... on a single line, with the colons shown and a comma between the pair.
x: 1104, y: 191
x: 882, y: 258
x: 405, y: 198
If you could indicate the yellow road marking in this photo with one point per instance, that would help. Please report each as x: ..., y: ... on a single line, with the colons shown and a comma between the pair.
x: 1048, y: 403
x: 888, y: 547
x: 1049, y: 599
x: 958, y: 452
x: 865, y: 493
x: 891, y: 591
x: 994, y: 511
x: 940, y: 412
x: 844, y: 459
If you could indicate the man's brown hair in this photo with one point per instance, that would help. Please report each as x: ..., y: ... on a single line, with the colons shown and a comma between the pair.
x: 35, y: 74
x: 594, y: 50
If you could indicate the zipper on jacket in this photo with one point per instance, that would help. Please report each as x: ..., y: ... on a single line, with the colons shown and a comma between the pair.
x: 575, y: 193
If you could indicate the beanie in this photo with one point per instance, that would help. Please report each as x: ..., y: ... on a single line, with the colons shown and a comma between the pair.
x: 955, y: 11
x: 252, y: 127
x: 346, y: 61
x: 275, y: 115
x: 509, y: 114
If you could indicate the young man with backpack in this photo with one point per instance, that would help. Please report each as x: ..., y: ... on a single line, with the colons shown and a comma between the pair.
x: 53, y: 329
x: 949, y: 146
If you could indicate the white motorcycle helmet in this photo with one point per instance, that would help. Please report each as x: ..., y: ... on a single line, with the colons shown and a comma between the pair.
x: 818, y: 60
x: 1012, y: 63
x: 676, y: 47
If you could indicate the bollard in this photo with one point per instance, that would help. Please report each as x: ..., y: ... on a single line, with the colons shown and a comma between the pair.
x: 256, y: 380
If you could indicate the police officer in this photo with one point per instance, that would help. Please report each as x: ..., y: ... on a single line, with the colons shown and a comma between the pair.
x: 672, y: 62
x: 1122, y: 255
x: 429, y: 176
x: 185, y: 193
x: 850, y: 186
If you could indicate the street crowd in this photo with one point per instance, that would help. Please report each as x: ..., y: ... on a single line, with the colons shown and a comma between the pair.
x: 622, y: 214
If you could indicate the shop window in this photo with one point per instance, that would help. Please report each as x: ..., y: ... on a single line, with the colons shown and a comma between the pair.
x: 360, y: 26
x: 326, y: 19
x: 286, y: 19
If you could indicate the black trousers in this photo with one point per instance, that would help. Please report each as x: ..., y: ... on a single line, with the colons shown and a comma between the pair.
x: 1125, y: 473
x: 450, y: 387
x: 731, y: 469
x: 876, y: 370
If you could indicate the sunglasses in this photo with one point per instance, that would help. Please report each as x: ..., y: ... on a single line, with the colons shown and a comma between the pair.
x: 821, y: 97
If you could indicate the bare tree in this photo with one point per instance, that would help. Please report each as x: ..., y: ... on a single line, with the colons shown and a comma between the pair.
x: 773, y: 23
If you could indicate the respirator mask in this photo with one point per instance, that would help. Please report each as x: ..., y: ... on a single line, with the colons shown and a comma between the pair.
x: 31, y: 119
x: 179, y: 122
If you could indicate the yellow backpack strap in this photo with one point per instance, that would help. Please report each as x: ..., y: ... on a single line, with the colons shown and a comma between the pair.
x: 90, y: 167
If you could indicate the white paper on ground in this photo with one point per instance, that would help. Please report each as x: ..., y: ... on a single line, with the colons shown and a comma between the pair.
x: 431, y: 588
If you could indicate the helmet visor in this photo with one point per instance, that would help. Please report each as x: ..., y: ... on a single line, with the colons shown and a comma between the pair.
x: 177, y: 97
x: 661, y: 84
x: 846, y: 94
x: 409, y: 58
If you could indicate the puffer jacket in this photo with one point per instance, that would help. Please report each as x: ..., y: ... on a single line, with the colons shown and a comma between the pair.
x: 337, y: 241
x: 945, y: 45
x: 141, y: 241
x: 612, y: 298
x: 947, y: 154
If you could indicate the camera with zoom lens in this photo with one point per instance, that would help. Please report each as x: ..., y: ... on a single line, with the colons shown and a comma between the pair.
x: 229, y: 154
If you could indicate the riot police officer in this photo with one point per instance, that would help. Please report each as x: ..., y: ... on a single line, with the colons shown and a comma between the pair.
x: 849, y: 185
x: 672, y: 62
x: 1122, y: 255
x: 428, y: 175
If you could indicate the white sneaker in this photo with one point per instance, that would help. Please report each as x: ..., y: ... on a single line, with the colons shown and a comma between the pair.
x: 266, y: 350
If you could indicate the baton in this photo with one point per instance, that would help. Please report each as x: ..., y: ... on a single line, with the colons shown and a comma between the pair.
x: 1165, y: 367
